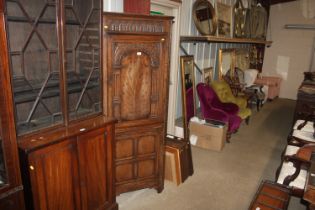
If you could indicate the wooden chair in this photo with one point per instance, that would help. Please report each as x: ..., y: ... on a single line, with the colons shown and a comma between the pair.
x: 241, y: 87
x: 294, y: 168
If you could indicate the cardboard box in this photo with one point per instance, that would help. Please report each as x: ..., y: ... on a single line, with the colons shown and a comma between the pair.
x: 207, y: 136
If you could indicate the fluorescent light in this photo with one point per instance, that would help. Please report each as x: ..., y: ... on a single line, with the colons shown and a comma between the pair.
x: 300, y: 26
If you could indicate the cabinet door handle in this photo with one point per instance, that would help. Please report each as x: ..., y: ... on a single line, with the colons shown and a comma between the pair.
x: 32, y: 167
x: 162, y: 39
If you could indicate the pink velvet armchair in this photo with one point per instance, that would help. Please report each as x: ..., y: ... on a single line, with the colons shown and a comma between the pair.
x: 212, y: 108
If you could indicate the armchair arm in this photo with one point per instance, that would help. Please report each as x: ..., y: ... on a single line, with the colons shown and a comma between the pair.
x: 217, y: 114
x: 230, y: 108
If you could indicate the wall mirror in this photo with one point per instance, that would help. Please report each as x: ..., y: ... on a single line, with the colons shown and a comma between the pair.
x: 204, y: 17
x: 226, y: 62
x: 188, y: 90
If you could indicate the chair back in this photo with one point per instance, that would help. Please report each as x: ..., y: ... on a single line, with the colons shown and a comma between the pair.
x: 223, y: 91
x: 250, y: 76
x: 206, y: 97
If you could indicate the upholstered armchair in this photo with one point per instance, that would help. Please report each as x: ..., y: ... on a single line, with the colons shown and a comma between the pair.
x: 224, y: 92
x: 212, y: 108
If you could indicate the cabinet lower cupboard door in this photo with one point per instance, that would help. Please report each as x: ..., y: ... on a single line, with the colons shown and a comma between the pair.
x: 54, y: 177
x: 96, y: 184
x: 75, y: 173
x: 138, y: 160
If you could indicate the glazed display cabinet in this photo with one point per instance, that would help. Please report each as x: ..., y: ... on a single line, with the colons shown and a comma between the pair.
x: 52, y: 51
x: 136, y: 52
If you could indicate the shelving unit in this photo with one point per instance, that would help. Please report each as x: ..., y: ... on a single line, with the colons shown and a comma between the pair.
x: 216, y: 39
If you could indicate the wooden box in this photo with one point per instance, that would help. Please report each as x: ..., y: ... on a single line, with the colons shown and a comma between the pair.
x: 178, y: 160
x: 271, y: 196
x: 137, y: 6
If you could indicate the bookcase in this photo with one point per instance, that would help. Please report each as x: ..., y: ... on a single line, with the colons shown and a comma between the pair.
x: 51, y: 57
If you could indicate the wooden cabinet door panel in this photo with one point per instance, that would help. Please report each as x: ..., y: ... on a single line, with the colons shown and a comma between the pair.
x: 137, y: 154
x: 138, y: 77
x: 54, y: 176
x: 93, y: 169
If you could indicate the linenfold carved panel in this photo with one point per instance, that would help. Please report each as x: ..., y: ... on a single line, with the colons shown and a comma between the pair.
x: 138, y: 26
x: 136, y: 67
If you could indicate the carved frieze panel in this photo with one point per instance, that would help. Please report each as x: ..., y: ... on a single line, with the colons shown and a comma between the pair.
x: 134, y: 26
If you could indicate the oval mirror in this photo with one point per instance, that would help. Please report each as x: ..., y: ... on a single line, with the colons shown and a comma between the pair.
x: 204, y: 17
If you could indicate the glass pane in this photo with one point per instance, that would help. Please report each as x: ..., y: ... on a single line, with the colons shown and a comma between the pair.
x: 34, y: 63
x: 83, y: 57
x: 3, y: 174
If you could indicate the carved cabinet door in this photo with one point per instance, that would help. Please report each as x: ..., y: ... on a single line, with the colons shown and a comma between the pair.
x: 137, y: 75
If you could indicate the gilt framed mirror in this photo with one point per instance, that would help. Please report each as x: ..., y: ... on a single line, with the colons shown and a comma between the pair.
x: 188, y: 90
x: 204, y: 17
x: 226, y: 62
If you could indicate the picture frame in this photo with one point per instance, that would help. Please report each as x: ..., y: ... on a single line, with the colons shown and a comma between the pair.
x: 226, y: 62
x: 208, y: 75
x: 224, y: 20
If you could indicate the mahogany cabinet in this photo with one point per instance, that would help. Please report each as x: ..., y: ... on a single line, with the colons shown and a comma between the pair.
x: 11, y: 189
x: 136, y: 51
x: 51, y: 78
x: 70, y: 168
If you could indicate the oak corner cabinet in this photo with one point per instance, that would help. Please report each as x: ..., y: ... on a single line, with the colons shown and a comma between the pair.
x: 136, y: 52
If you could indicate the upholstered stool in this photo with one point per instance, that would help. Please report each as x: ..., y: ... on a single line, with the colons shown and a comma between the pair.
x: 273, y: 84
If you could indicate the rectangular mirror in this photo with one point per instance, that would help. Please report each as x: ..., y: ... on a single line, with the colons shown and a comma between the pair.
x: 188, y: 90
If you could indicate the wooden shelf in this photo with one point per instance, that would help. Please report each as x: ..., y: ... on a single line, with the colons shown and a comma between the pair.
x: 222, y: 40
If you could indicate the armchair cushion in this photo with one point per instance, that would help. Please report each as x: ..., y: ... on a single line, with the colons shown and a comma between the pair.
x: 291, y: 150
x: 304, y: 135
x: 287, y: 170
x: 308, y: 126
x: 224, y: 92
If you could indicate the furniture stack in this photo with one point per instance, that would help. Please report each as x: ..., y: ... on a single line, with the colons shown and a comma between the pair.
x: 297, y: 168
x: 63, y: 89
